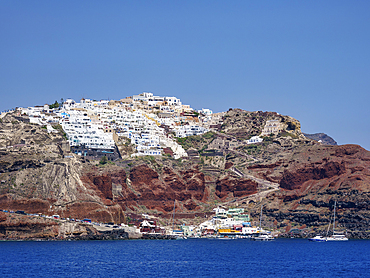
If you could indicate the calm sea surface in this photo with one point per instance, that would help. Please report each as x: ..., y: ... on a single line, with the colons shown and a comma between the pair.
x: 186, y: 258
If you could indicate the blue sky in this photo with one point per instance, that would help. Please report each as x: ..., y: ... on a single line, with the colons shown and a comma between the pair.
x: 306, y: 59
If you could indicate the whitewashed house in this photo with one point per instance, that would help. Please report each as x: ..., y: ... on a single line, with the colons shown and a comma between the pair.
x: 254, y: 140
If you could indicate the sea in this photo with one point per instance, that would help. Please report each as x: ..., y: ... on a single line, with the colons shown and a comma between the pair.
x: 185, y: 258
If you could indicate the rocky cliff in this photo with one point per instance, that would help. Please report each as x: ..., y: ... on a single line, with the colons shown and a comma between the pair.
x: 296, y: 179
x: 37, y: 175
x: 29, y: 227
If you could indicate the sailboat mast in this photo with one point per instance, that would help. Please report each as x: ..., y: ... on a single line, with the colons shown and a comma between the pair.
x: 261, y: 219
x: 335, y: 204
x: 173, y: 217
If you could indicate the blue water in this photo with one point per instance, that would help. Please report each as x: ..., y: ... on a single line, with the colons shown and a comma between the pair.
x: 186, y: 258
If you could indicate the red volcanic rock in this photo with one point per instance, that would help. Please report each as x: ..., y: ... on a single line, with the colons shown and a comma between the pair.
x: 33, y: 205
x: 142, y: 175
x: 263, y: 166
x: 195, y: 185
x: 149, y: 189
x: 183, y: 196
x: 94, y: 211
x: 173, y: 180
x: 104, y: 184
x: 198, y: 195
x: 148, y: 194
x: 167, y: 207
x: 294, y: 179
x: 239, y: 187
x: 195, y: 180
x: 228, y: 165
x: 346, y: 150
x: 177, y: 185
x: 188, y: 174
x: 2, y: 216
x: 191, y: 205
x: 118, y: 177
x: 165, y: 195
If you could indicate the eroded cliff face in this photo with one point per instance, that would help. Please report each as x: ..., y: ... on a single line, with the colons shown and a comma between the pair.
x: 143, y: 187
x: 35, y: 176
x: 313, y: 179
x: 310, y: 172
x: 235, y: 187
x: 29, y: 227
x: 14, y: 226
x: 296, y: 179
x: 243, y: 124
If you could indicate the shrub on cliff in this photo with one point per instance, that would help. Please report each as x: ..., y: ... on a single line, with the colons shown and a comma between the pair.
x: 103, y: 160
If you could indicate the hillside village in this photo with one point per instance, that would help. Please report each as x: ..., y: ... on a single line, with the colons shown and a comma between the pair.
x: 151, y: 123
x: 165, y: 152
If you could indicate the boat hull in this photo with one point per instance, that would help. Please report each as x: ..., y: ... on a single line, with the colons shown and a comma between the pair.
x: 316, y: 239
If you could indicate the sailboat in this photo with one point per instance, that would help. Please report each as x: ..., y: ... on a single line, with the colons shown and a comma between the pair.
x: 263, y: 235
x: 334, y: 237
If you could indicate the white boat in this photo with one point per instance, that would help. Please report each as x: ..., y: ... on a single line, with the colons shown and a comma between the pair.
x: 317, y: 238
x: 334, y: 237
x: 337, y: 237
x: 263, y: 237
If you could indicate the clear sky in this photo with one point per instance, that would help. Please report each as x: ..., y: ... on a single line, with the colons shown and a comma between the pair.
x: 306, y: 59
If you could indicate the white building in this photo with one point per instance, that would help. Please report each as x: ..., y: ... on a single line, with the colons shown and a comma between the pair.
x: 205, y: 111
x: 91, y: 123
x: 189, y: 130
x: 254, y: 140
x: 271, y: 126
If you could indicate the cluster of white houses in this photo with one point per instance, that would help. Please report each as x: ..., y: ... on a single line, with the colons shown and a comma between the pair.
x: 149, y: 122
x: 233, y: 222
x: 228, y: 222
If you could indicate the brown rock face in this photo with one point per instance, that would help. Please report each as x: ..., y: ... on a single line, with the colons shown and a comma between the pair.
x: 143, y: 175
x: 238, y: 187
x: 95, y: 211
x: 24, y: 227
x: 144, y: 186
x: 11, y: 202
x: 2, y: 216
x: 228, y: 165
x: 243, y: 124
x: 293, y: 180
x: 104, y: 184
x: 190, y: 205
x: 312, y: 179
x: 158, y: 191
x: 101, y: 183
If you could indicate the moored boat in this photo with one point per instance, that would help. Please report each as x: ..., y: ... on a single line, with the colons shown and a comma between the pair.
x: 337, y: 237
x: 263, y: 237
x: 334, y: 237
x: 317, y: 238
